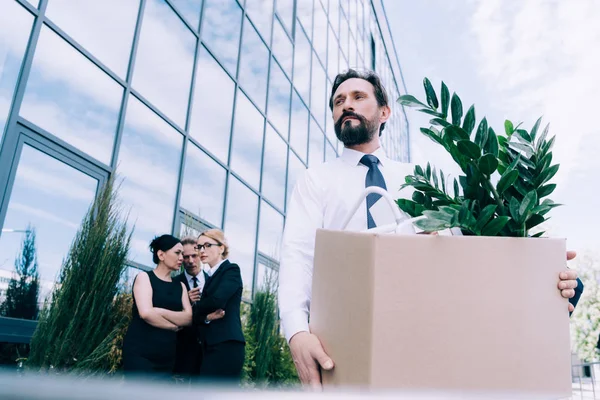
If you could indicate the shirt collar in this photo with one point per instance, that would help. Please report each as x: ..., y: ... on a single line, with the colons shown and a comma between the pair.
x: 190, y: 277
x: 211, y: 271
x: 353, y: 157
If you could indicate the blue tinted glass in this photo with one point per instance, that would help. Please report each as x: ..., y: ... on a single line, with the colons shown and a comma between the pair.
x: 302, y: 63
x: 164, y: 61
x: 299, y: 126
x: 221, y: 26
x: 203, y: 190
x: 295, y: 168
x: 320, y: 32
x: 285, y: 9
x: 70, y: 97
x: 282, y: 48
x: 149, y: 160
x: 190, y: 9
x: 15, y: 26
x: 254, y: 65
x: 261, y: 14
x: 332, y: 60
x: 269, y: 233
x: 279, y: 100
x: 240, y: 229
x: 86, y: 22
x: 52, y: 198
x: 273, y: 176
x: 317, y: 96
x: 246, y: 149
x: 317, y: 145
x: 212, y: 108
x: 304, y: 13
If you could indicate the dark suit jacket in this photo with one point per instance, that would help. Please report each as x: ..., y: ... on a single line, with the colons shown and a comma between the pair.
x: 189, y: 351
x: 222, y: 291
x: 578, y: 291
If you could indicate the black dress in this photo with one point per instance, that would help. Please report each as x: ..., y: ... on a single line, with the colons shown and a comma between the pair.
x: 146, y: 348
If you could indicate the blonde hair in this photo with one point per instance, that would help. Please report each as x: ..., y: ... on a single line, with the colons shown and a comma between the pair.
x: 218, y: 236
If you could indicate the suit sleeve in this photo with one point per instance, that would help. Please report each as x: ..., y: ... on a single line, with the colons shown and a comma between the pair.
x: 578, y: 291
x: 231, y: 282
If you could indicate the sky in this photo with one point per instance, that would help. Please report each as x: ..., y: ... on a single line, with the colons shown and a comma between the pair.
x: 516, y: 60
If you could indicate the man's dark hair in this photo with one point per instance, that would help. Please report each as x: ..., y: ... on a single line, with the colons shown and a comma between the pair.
x: 369, y: 76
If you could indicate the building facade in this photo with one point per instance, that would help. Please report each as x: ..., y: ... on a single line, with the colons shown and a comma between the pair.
x: 207, y: 111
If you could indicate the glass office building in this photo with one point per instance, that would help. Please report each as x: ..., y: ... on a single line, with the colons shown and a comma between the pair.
x: 207, y: 109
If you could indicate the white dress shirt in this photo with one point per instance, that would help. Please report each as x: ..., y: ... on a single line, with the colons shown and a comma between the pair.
x: 200, y: 277
x: 322, y: 198
x: 211, y: 271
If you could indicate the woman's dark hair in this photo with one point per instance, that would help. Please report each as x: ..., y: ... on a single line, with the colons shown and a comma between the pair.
x: 162, y: 243
x: 369, y: 76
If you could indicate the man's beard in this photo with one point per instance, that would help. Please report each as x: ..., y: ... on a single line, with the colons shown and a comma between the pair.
x: 351, y: 135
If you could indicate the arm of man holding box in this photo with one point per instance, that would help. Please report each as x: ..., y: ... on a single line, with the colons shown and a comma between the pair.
x: 304, y: 217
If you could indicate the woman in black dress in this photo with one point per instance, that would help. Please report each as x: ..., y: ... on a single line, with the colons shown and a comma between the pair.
x: 160, y: 308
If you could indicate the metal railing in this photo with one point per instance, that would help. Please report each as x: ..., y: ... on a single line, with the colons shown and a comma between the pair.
x: 585, y: 380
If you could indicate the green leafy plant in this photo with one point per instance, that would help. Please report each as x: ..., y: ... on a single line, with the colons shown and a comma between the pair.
x: 505, y: 175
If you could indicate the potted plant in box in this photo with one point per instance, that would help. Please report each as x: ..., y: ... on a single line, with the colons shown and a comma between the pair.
x: 506, y: 176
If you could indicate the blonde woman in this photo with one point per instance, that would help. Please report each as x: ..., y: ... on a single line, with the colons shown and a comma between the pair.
x: 222, y: 339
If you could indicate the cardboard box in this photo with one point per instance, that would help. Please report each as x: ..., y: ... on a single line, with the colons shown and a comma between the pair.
x: 442, y: 312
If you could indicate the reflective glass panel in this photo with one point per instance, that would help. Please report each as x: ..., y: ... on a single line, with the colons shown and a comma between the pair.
x: 282, y: 48
x: 70, y: 97
x: 299, y: 126
x: 279, y: 100
x: 203, y: 190
x: 86, y: 22
x: 302, y: 65
x: 344, y: 35
x: 51, y: 198
x: 164, y: 61
x: 317, y: 96
x: 240, y: 229
x: 320, y: 32
x: 295, y: 168
x: 254, y: 66
x: 304, y: 13
x: 332, y: 61
x: 149, y: 160
x: 190, y: 9
x: 273, y: 176
x: 265, y: 276
x: 210, y: 121
x: 261, y: 14
x: 285, y: 9
x: 246, y: 150
x: 221, y: 26
x: 352, y: 54
x: 329, y: 129
x: 270, y: 231
x: 317, y: 145
x: 35, y: 3
x: 334, y: 15
x: 329, y: 151
x: 15, y: 26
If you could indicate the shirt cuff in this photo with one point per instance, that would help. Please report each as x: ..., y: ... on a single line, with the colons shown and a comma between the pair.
x: 293, y: 323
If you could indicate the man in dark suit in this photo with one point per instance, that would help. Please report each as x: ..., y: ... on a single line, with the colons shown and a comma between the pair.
x: 223, y: 339
x: 189, y: 348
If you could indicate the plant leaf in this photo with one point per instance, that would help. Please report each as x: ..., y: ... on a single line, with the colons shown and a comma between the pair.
x: 456, y: 189
x: 506, y: 181
x: 513, y: 207
x: 428, y: 172
x: 526, y: 148
x: 535, y: 129
x: 445, y: 99
x: 410, y: 101
x: 469, y: 121
x: 456, y: 108
x: 469, y: 149
x: 431, y: 112
x: 533, y: 221
x: 491, y: 144
x: 487, y: 164
x: 443, y: 178
x: 481, y: 135
x: 539, y: 234
x: 431, y: 135
x: 508, y: 127
x: 528, y: 203
x: 542, y: 137
x: 485, y: 216
x: 418, y: 197
x: 435, y: 178
x: 431, y: 96
x: 410, y: 207
x: 440, y: 122
x: 431, y: 225
x: 495, y: 226
x: 546, y: 190
x: 548, y: 174
x: 456, y: 133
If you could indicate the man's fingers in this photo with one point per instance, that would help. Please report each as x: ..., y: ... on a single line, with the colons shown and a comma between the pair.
x: 571, y: 254
x: 568, y: 275
x: 322, y: 358
x: 567, y: 293
x: 570, y: 284
x: 571, y: 307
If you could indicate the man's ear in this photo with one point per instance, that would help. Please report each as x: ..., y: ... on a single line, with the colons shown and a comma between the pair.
x: 386, y: 112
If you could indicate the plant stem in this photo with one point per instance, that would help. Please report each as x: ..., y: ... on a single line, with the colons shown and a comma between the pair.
x: 492, y: 189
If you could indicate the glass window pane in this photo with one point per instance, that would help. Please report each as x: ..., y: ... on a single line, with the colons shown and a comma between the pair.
x: 72, y: 98
x: 317, y: 96
x: 164, y: 61
x: 332, y: 62
x: 52, y: 198
x: 317, y: 145
x: 261, y: 14
x: 273, y: 177
x: 344, y: 35
x: 285, y: 9
x: 302, y: 65
x: 334, y: 15
x: 254, y: 66
x: 210, y: 122
x: 352, y: 15
x: 305, y: 16
x: 221, y: 26
x: 246, y: 151
x: 240, y: 229
x: 282, y: 48
x: 190, y: 9
x: 320, y: 32
x: 15, y: 26
x: 329, y: 152
x: 270, y: 231
x: 329, y: 129
x: 279, y: 100
x: 86, y: 22
x: 35, y: 3
x: 149, y: 160
x: 264, y: 274
x: 203, y: 189
x: 295, y: 168
x: 299, y: 126
x: 352, y: 54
